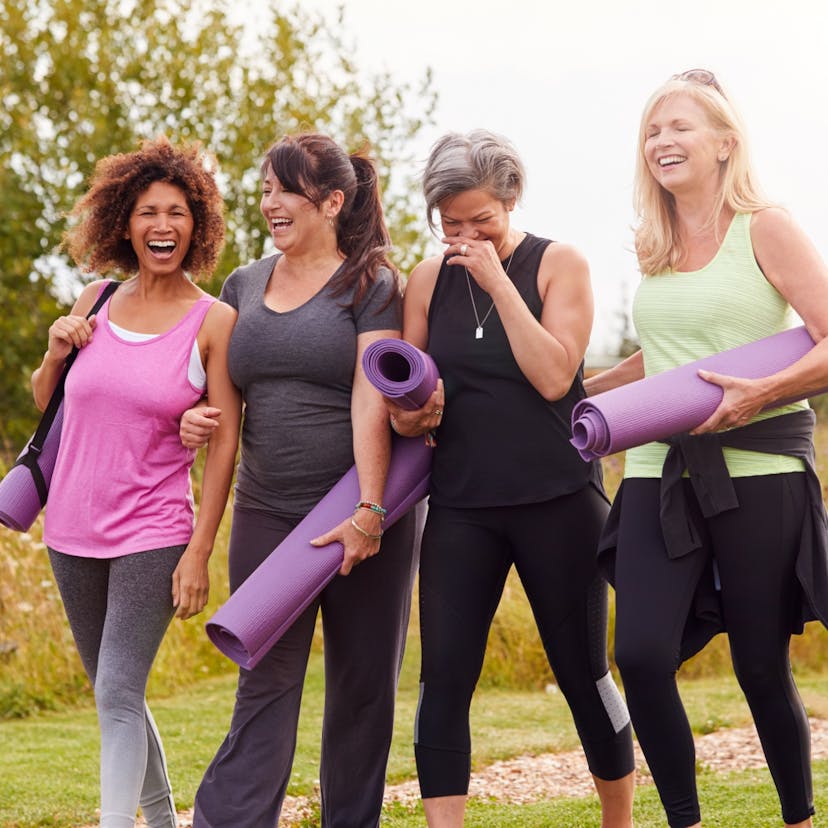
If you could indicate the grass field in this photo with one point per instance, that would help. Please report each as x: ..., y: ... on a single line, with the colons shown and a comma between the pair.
x: 48, y: 731
x: 48, y: 762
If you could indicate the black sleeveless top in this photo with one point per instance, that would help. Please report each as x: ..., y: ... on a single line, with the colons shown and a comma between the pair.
x: 500, y: 442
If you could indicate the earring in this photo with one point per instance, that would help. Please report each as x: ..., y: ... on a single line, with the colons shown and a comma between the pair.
x: 331, y: 221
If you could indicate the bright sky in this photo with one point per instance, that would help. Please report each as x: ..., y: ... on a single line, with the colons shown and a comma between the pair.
x: 566, y: 82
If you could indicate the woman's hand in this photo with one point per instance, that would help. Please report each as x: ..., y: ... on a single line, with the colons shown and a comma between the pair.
x: 358, y: 545
x: 68, y: 332
x: 409, y: 423
x: 480, y: 259
x: 190, y: 584
x: 742, y: 400
x: 197, y: 424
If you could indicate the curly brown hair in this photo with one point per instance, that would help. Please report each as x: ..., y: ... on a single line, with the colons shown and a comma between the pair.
x: 98, y: 241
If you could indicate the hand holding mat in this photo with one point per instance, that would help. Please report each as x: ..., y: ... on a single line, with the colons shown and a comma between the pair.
x: 677, y: 400
x: 259, y: 612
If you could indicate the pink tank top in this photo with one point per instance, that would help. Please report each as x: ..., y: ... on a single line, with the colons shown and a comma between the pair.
x: 121, y: 482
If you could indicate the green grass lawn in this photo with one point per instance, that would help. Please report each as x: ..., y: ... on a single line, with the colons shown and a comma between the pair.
x: 48, y: 763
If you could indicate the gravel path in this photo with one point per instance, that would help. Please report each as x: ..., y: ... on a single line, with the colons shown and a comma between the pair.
x: 533, y: 778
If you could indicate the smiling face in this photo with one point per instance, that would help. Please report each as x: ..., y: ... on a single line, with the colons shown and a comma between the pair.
x: 477, y: 214
x: 681, y: 147
x: 160, y: 228
x: 294, y: 221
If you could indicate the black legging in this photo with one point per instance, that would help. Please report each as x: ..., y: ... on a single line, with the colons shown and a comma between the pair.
x: 466, y: 556
x: 754, y: 549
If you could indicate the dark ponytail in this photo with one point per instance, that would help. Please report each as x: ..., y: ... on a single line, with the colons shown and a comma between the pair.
x: 315, y: 165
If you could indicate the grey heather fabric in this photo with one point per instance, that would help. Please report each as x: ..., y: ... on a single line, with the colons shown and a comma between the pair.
x: 295, y: 371
x: 119, y: 610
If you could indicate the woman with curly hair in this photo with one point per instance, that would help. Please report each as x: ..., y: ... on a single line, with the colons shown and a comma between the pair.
x: 125, y: 549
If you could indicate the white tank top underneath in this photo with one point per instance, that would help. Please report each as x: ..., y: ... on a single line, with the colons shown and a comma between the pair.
x: 195, y: 370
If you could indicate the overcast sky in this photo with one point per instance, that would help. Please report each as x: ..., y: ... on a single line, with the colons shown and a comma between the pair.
x: 566, y: 81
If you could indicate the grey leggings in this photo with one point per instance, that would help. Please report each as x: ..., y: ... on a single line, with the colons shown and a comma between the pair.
x: 119, y: 610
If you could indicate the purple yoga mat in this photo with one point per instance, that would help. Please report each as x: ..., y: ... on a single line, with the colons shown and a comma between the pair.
x: 400, y: 371
x: 19, y: 501
x: 259, y: 612
x: 677, y: 400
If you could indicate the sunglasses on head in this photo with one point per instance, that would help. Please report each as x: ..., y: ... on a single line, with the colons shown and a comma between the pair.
x: 701, y: 76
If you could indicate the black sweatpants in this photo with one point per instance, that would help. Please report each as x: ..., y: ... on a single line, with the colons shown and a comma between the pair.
x: 364, y: 622
x: 466, y: 556
x: 754, y: 548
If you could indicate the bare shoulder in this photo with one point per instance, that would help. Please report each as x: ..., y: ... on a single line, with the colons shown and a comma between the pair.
x: 220, y: 318
x: 563, y: 266
x: 771, y: 224
x: 425, y: 273
x: 779, y: 244
x: 84, y: 302
x: 421, y: 281
x: 564, y: 258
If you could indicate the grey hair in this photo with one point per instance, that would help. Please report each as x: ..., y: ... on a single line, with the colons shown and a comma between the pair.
x: 478, y: 160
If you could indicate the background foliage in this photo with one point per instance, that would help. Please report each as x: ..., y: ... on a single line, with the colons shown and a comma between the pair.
x: 81, y: 79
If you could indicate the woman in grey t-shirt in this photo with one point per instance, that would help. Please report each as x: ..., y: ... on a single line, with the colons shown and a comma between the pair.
x: 305, y: 318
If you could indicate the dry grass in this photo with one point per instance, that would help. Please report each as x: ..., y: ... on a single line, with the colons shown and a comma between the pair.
x: 39, y: 667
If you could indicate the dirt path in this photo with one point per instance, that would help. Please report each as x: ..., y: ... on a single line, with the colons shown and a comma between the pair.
x: 533, y: 778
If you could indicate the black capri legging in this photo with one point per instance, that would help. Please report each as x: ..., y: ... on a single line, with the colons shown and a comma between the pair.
x: 754, y: 548
x: 465, y: 558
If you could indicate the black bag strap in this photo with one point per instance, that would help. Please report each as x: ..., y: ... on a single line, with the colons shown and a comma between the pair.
x: 33, y: 450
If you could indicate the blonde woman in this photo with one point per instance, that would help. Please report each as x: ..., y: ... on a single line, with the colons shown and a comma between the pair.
x: 721, y: 267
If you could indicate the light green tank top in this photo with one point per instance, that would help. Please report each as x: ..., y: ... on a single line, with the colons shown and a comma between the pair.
x: 684, y: 316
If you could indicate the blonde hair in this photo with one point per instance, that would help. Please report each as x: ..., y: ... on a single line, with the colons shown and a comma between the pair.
x: 657, y: 241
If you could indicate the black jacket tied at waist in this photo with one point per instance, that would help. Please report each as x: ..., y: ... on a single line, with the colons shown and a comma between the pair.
x: 701, y: 455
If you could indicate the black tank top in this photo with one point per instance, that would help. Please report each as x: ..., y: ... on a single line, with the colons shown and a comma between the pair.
x: 500, y: 442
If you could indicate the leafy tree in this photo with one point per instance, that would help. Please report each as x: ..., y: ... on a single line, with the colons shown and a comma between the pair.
x: 81, y: 79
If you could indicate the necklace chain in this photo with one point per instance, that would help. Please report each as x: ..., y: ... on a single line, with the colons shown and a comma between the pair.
x: 478, y: 331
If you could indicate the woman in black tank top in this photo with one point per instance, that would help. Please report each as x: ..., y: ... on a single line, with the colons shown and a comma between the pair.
x: 506, y: 316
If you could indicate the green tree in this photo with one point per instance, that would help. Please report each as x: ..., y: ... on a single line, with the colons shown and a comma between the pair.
x: 81, y: 79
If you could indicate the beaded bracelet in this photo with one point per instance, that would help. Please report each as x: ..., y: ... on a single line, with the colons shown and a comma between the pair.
x: 363, y: 532
x: 372, y: 507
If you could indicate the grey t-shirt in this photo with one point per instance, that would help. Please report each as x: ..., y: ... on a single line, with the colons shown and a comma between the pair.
x: 295, y: 371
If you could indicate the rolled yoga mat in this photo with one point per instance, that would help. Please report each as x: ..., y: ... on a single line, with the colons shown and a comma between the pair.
x: 677, y: 400
x: 20, y: 501
x: 259, y: 612
x: 400, y: 371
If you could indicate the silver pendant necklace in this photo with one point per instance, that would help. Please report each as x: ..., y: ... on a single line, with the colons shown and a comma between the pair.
x: 478, y: 331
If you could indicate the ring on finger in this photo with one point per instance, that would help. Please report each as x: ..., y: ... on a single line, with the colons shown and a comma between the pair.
x: 438, y: 412
x: 463, y: 249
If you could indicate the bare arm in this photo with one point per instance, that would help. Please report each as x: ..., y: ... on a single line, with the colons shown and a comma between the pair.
x: 628, y: 370
x: 793, y: 266
x: 372, y: 454
x: 548, y: 351
x: 71, y: 331
x: 416, y: 301
x: 190, y: 580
